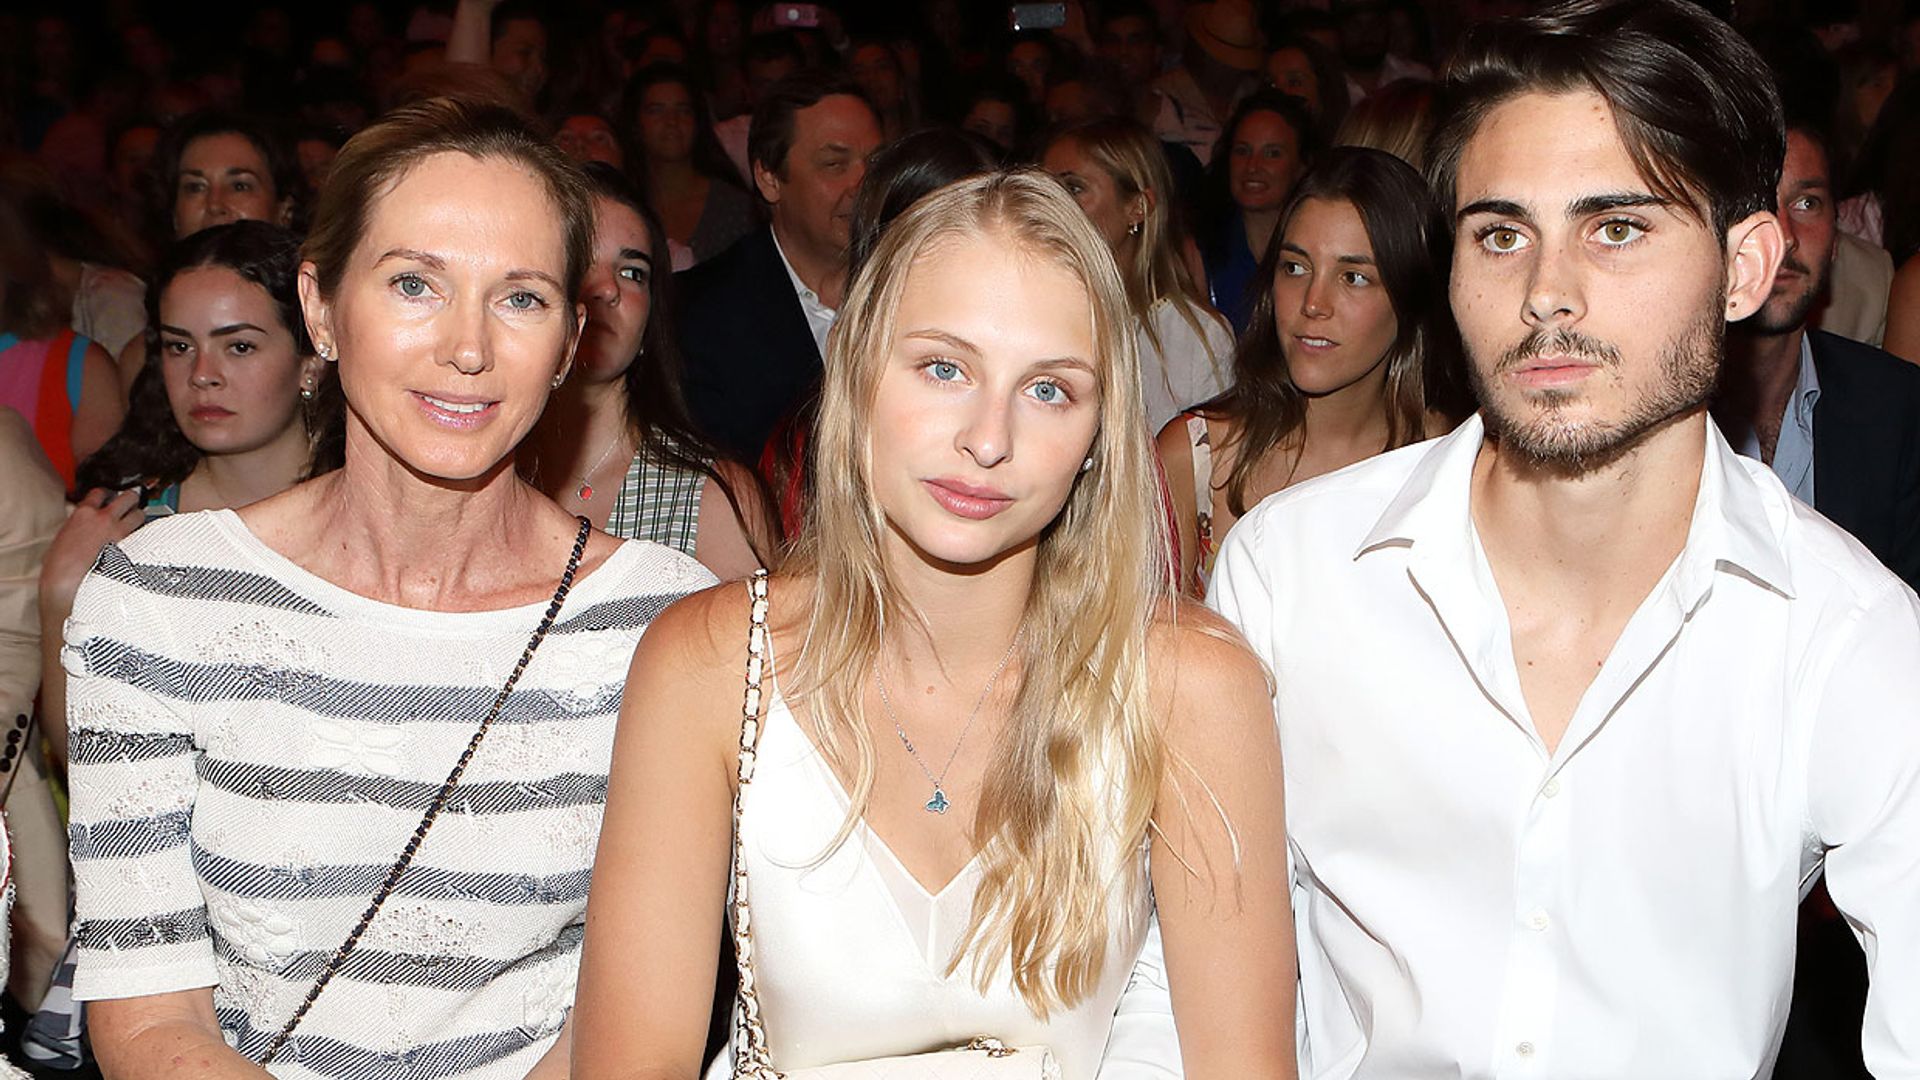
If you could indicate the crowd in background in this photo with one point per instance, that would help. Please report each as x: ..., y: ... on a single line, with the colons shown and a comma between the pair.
x: 1255, y: 168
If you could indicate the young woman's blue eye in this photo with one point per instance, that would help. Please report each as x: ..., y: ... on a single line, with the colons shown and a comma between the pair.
x: 1050, y: 393
x: 411, y: 286
x: 944, y: 370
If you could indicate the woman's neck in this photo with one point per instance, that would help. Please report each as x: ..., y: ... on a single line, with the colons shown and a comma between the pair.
x: 968, y: 615
x: 583, y: 421
x: 1259, y: 225
x: 1353, y: 417
x: 669, y: 178
x: 230, y: 481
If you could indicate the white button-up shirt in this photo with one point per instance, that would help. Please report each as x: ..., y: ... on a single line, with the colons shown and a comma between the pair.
x: 820, y: 317
x: 1469, y: 904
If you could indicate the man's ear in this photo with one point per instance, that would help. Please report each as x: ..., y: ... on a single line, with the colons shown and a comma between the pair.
x: 1755, y: 246
x: 768, y: 182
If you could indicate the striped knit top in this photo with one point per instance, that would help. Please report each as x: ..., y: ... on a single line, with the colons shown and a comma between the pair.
x: 251, y: 748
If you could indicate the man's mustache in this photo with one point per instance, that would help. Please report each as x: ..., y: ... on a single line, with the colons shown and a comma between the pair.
x: 1559, y: 342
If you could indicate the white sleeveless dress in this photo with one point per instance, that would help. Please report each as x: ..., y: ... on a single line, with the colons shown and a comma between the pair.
x: 850, y: 951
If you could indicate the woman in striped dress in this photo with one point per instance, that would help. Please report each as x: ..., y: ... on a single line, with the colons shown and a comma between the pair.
x: 269, y: 706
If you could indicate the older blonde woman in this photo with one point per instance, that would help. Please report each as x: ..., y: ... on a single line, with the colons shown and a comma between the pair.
x: 339, y: 756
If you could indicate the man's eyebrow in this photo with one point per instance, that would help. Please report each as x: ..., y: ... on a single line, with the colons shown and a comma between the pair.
x: 1589, y: 205
x: 1496, y: 207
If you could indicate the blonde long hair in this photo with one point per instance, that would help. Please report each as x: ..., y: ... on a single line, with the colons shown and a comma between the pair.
x: 1131, y: 156
x: 1076, y: 772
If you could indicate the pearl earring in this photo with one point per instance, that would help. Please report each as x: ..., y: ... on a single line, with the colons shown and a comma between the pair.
x: 1087, y: 465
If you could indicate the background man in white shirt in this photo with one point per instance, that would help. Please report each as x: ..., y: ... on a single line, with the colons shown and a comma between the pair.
x: 1576, y: 700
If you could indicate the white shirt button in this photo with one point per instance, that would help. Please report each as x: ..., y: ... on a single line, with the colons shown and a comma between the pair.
x: 1525, y: 1049
x: 1537, y: 920
x: 1551, y: 788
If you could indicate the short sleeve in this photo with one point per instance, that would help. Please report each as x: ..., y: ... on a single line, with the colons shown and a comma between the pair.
x: 141, y: 919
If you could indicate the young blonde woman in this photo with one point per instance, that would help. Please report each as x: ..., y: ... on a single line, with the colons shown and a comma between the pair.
x: 1347, y: 354
x: 988, y: 725
x: 1117, y: 172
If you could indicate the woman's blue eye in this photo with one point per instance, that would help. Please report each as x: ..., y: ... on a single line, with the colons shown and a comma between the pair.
x: 525, y: 301
x: 944, y: 370
x: 410, y: 286
x: 1051, y: 393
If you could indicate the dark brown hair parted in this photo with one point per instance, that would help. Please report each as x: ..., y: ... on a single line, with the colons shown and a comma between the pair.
x: 1694, y: 104
x: 1410, y: 243
x: 376, y: 159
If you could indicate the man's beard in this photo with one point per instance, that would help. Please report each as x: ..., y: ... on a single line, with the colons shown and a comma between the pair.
x: 1688, y: 366
x: 1785, y: 320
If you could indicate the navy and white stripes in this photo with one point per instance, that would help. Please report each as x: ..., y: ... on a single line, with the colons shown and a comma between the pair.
x: 252, y: 745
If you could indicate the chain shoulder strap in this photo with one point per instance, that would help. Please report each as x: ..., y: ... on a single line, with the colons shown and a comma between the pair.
x: 400, y: 865
x: 751, y: 1059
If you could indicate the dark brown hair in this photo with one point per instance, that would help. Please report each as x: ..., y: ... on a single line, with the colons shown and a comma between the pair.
x: 1411, y: 252
x: 1693, y: 103
x: 376, y: 159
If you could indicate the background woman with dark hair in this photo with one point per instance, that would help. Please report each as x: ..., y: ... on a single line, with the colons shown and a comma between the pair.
x: 1351, y: 312
x: 1266, y: 144
x: 232, y: 407
x: 684, y: 171
x: 218, y: 167
x: 614, y: 444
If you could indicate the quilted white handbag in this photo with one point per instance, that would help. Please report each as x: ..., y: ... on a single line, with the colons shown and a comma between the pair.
x: 982, y: 1058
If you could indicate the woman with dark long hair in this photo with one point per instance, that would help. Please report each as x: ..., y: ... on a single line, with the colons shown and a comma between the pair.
x: 1264, y: 147
x: 615, y: 445
x: 682, y: 168
x: 231, y: 407
x: 1350, y: 316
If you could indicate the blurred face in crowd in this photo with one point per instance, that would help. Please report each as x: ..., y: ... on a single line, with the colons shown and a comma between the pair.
x: 987, y: 402
x: 1112, y: 212
x: 1290, y: 72
x: 232, y: 370
x: 1592, y: 312
x: 1030, y: 62
x: 316, y: 158
x: 451, y: 320
x: 1263, y: 161
x: 132, y: 154
x: 1332, y: 311
x: 1133, y: 47
x: 520, y: 53
x: 1806, y: 211
x: 224, y: 177
x: 993, y: 120
x: 1363, y: 33
x: 666, y: 122
x: 812, y: 196
x: 617, y: 293
x: 1068, y: 103
x: 585, y: 137
x: 874, y: 68
x: 763, y: 73
x: 723, y: 28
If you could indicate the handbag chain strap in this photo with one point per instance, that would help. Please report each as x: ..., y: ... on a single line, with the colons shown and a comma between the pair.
x: 751, y: 1059
x: 439, y: 802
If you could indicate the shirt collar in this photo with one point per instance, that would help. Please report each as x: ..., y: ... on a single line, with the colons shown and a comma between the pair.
x: 1806, y: 392
x: 799, y: 287
x: 1736, y: 524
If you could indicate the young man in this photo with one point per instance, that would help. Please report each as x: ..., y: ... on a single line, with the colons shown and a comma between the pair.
x: 1836, y: 420
x: 1576, y: 700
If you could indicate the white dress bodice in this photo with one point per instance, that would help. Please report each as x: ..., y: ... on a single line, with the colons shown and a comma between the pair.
x: 851, y: 952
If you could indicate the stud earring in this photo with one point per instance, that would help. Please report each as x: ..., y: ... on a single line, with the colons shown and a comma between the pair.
x: 1134, y: 229
x: 306, y: 393
x: 323, y: 352
x: 1087, y: 465
x: 558, y: 379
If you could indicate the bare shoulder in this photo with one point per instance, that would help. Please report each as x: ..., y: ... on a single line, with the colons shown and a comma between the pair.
x: 1202, y: 668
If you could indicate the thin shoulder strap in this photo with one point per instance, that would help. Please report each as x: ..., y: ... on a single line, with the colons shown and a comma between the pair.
x: 751, y: 1059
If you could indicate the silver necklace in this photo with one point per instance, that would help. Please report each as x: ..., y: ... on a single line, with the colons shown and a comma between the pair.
x: 585, y: 491
x: 939, y: 804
